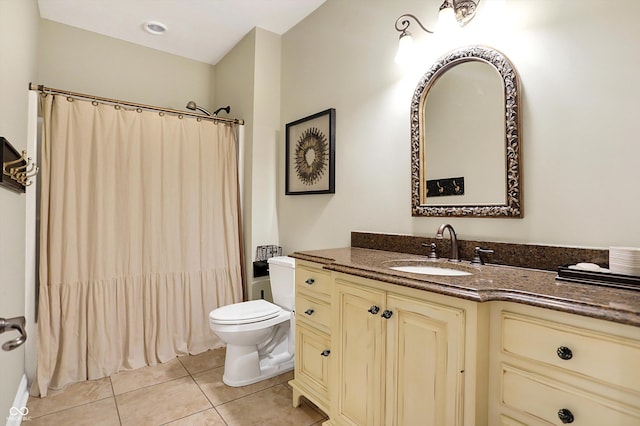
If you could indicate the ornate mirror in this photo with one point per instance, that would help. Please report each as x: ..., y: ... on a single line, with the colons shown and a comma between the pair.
x: 465, y: 137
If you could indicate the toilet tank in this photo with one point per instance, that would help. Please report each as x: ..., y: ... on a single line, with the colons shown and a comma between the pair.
x: 282, y: 276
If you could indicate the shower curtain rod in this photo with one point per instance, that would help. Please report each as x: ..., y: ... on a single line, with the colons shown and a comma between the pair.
x: 41, y: 88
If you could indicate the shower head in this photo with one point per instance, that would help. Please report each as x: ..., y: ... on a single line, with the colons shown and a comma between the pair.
x: 193, y: 107
x: 227, y: 109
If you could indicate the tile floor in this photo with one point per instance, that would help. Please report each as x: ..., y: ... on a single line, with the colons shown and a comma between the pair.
x: 183, y: 392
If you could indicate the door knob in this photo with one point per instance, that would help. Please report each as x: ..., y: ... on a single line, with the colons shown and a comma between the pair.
x: 17, y: 323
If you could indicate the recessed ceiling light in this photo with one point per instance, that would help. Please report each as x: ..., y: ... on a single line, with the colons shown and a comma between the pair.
x: 155, y: 27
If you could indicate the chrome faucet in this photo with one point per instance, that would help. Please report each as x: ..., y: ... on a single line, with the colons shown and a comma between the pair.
x: 455, y: 255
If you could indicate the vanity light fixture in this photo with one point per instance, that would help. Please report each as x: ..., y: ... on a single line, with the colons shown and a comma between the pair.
x: 154, y: 27
x: 462, y: 11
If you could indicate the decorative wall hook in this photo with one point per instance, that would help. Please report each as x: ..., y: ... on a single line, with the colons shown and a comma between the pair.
x: 17, y: 169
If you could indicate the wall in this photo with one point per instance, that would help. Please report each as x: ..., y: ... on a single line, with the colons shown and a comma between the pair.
x: 248, y: 79
x: 234, y: 87
x: 578, y: 69
x: 82, y: 61
x: 18, y: 37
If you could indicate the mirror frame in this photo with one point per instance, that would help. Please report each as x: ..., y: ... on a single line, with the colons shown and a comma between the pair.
x: 511, y: 84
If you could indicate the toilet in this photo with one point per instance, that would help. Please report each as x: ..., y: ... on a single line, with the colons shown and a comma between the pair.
x: 259, y: 334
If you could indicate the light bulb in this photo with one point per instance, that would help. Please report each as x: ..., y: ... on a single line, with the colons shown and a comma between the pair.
x: 405, y: 49
x: 447, y: 22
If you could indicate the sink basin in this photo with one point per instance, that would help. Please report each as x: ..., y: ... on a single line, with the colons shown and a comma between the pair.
x: 429, y: 268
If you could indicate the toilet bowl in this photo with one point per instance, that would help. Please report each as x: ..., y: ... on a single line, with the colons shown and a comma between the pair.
x: 258, y: 333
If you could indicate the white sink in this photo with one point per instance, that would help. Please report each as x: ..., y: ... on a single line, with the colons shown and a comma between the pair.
x: 430, y: 270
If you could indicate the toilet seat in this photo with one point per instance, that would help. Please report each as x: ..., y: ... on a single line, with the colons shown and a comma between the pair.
x: 244, y: 312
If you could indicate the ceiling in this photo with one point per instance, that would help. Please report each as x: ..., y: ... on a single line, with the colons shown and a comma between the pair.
x: 203, y: 30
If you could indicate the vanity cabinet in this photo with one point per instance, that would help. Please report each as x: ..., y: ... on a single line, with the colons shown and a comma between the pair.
x: 313, y: 292
x: 550, y: 367
x: 400, y: 356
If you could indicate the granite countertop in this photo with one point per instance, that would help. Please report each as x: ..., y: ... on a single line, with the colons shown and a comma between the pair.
x: 488, y: 282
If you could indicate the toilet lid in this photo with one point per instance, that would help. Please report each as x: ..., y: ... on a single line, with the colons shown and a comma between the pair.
x: 245, y: 312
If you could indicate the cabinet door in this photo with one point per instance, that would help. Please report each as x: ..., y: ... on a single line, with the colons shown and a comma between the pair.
x: 425, y: 363
x: 312, y: 361
x: 358, y: 380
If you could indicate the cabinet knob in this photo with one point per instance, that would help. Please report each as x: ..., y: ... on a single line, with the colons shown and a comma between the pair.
x: 374, y: 310
x: 310, y: 281
x: 326, y: 352
x: 309, y: 312
x: 386, y: 314
x: 564, y: 353
x: 565, y: 415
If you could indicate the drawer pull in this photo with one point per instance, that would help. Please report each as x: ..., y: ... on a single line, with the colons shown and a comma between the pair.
x: 309, y: 312
x: 374, y: 310
x: 565, y: 415
x: 387, y: 314
x: 310, y: 281
x: 564, y: 353
x: 326, y: 352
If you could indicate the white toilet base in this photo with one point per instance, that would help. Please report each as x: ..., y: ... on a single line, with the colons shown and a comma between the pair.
x: 243, y: 366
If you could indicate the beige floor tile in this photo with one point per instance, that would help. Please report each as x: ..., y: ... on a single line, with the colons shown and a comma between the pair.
x: 210, y: 382
x: 161, y: 403
x: 71, y: 396
x: 99, y: 413
x: 208, y: 417
x: 146, y: 376
x: 270, y: 407
x: 204, y: 361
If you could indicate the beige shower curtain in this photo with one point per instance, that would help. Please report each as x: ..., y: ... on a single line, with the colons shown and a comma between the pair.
x: 139, y: 238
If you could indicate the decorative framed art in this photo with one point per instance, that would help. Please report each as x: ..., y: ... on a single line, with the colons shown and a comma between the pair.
x: 310, y: 154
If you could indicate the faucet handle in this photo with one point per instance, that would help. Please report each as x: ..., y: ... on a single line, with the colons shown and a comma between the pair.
x: 477, y: 255
x: 434, y: 254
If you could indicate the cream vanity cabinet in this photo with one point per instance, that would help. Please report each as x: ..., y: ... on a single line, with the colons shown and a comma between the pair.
x: 402, y: 356
x: 553, y: 368
x: 314, y: 289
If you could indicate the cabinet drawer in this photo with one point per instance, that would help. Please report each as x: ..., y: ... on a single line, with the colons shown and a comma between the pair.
x: 314, y: 281
x: 508, y: 421
x: 313, y: 312
x: 614, y: 360
x: 313, y: 351
x: 543, y: 398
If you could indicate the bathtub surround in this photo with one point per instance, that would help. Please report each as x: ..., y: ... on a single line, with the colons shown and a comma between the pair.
x: 140, y: 237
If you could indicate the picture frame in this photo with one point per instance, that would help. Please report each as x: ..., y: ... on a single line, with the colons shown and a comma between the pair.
x: 310, y: 154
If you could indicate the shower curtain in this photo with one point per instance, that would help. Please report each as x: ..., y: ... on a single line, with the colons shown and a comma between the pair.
x: 140, y: 238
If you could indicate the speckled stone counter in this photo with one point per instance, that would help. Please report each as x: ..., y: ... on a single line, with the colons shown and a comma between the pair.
x: 487, y: 283
x: 534, y: 256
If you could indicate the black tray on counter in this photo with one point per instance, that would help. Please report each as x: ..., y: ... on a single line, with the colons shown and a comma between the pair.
x: 609, y: 279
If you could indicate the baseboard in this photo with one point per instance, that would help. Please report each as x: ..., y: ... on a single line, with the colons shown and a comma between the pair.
x: 19, y: 410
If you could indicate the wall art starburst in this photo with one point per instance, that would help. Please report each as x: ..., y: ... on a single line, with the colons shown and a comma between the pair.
x: 310, y: 154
